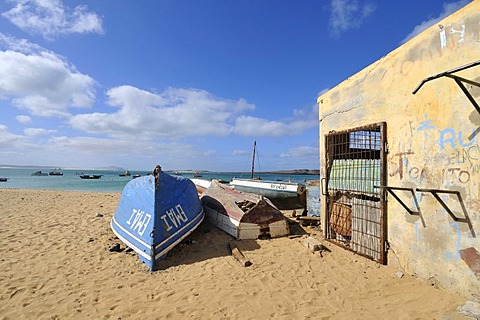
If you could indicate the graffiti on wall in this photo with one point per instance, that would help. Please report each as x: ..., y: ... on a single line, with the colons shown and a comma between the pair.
x: 456, y: 156
x: 457, y: 34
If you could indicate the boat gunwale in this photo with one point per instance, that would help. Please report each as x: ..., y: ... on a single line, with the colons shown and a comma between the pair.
x: 290, y: 183
x: 128, y: 243
x: 167, y: 249
x: 200, y: 216
x: 268, y: 186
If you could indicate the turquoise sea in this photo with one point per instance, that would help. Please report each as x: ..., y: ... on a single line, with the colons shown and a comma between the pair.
x: 21, y: 178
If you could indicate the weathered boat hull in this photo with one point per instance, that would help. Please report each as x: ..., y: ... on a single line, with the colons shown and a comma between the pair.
x: 243, y: 215
x: 201, y: 185
x: 155, y: 213
x: 285, y: 195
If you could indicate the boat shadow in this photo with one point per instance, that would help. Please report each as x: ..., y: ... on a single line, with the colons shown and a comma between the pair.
x: 205, y: 243
x: 209, y: 242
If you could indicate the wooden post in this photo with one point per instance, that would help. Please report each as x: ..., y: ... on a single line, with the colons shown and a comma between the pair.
x: 238, y: 255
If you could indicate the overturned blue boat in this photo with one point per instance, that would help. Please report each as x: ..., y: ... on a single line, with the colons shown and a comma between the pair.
x: 155, y: 213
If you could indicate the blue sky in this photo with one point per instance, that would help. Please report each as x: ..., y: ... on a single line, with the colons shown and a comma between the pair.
x: 187, y: 84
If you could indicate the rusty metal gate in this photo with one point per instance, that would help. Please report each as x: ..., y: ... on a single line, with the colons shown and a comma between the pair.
x: 355, y: 168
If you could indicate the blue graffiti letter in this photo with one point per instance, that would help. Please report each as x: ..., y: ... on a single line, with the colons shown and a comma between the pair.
x: 460, y: 140
x: 447, y: 136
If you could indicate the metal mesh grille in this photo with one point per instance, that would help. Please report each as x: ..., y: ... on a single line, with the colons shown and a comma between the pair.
x: 354, y: 213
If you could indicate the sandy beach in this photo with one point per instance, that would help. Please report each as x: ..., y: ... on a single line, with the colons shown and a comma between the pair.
x: 56, y: 264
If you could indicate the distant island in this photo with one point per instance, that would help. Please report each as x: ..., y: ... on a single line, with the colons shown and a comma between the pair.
x: 289, y: 172
x: 294, y: 172
x: 114, y: 168
x: 111, y: 168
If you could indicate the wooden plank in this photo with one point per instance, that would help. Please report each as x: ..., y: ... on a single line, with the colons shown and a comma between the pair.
x: 238, y: 255
x: 341, y: 219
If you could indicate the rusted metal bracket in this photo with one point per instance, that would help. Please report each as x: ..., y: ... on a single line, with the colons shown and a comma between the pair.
x: 392, y: 190
x: 460, y: 82
x: 449, y: 74
x: 466, y: 220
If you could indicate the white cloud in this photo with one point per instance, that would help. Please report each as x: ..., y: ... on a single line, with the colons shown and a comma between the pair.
x: 91, y: 145
x: 323, y: 91
x: 21, y: 45
x: 40, y: 81
x: 174, y: 113
x: 448, y: 9
x: 303, y: 119
x: 50, y: 18
x: 301, y: 152
x: 240, y: 152
x: 129, y: 152
x: 8, y: 139
x: 37, y: 131
x: 24, y: 119
x: 252, y: 126
x: 348, y: 14
x: 178, y: 113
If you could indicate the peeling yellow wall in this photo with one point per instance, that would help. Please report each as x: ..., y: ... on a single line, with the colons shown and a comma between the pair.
x: 428, y: 143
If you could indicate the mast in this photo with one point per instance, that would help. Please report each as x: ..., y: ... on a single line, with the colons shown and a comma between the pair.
x: 253, y: 157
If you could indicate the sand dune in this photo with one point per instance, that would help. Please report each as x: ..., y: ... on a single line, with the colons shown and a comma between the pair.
x: 55, y: 264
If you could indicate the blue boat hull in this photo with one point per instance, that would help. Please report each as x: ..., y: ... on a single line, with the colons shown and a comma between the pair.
x: 155, y: 213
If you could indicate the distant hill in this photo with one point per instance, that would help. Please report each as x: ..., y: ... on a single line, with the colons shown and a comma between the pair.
x: 111, y: 168
x: 290, y: 172
x: 295, y: 171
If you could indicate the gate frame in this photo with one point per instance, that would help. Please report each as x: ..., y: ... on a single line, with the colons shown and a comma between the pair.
x: 382, y: 129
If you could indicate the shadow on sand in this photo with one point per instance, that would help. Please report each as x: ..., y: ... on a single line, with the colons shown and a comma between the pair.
x: 208, y: 242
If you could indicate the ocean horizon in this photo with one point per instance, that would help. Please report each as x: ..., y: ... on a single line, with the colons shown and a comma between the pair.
x: 111, y: 181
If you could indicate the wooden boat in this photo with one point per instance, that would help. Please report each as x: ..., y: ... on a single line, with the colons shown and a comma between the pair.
x: 90, y: 176
x: 39, y: 173
x: 285, y: 195
x: 155, y: 213
x: 243, y: 215
x: 201, y: 185
x: 196, y: 174
x: 3, y: 179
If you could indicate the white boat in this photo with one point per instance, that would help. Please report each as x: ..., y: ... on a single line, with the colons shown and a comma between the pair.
x: 242, y: 215
x: 201, y: 185
x: 269, y: 189
x: 285, y: 195
x: 125, y: 174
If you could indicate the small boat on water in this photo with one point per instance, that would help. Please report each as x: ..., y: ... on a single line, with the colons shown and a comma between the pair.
x: 90, y: 176
x: 125, y: 174
x: 155, y: 213
x: 3, y: 179
x: 136, y: 176
x: 55, y: 173
x: 39, y: 173
x: 243, y: 215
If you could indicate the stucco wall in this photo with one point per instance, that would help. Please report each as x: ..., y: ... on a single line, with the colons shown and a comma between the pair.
x: 428, y: 145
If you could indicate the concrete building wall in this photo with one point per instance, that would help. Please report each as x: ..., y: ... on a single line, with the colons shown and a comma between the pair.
x: 429, y: 146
